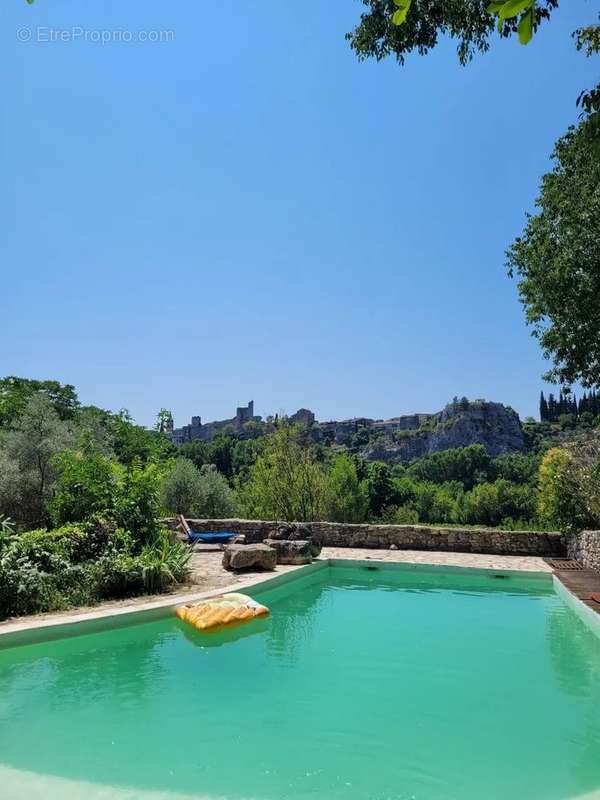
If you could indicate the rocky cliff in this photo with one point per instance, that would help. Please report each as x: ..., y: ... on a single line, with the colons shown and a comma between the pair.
x: 461, y: 423
x: 493, y: 425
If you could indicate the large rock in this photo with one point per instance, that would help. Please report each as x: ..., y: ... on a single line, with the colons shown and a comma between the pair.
x: 249, y: 556
x: 290, y: 531
x: 297, y: 551
x: 296, y: 531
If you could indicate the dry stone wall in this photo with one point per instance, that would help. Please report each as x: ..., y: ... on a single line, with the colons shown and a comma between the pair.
x: 404, y: 537
x: 585, y: 547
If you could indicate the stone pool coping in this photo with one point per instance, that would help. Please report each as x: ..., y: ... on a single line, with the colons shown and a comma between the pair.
x: 56, y: 626
x: 30, y: 630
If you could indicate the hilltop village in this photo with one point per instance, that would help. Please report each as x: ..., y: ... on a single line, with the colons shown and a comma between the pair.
x: 462, y: 422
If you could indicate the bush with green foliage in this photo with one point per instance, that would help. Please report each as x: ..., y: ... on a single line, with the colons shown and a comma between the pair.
x: 194, y: 492
x: 216, y: 499
x: 231, y: 455
x: 569, y: 481
x: 87, y: 484
x: 164, y: 562
x: 286, y: 482
x: 399, y: 515
x: 37, y: 573
x: 180, y: 488
x: 347, y: 497
x: 492, y: 503
x: 82, y: 564
x: 137, y: 503
x: 468, y: 465
x: 520, y: 468
x: 380, y: 487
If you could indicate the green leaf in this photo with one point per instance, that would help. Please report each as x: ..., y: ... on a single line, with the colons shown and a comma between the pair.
x: 402, y: 3
x: 400, y: 15
x: 525, y: 29
x: 500, y: 25
x: 495, y: 6
x: 513, y: 8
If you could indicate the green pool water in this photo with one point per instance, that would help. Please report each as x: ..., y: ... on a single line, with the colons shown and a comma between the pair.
x: 387, y: 684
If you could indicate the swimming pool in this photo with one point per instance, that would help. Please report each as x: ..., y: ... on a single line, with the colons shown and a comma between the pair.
x: 370, y: 683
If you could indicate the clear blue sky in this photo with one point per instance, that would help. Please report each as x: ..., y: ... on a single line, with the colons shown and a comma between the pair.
x: 248, y: 212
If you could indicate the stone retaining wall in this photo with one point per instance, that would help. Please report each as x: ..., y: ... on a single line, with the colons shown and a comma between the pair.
x: 404, y: 537
x: 585, y: 547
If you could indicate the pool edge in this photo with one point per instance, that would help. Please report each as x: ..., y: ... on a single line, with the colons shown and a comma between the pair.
x: 587, y: 615
x: 17, y: 633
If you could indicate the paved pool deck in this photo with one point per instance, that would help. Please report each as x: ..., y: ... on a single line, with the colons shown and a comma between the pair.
x: 445, y: 559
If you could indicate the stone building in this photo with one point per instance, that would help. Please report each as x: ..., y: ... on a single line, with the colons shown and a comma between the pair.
x: 399, y: 439
x: 196, y: 431
x: 303, y: 416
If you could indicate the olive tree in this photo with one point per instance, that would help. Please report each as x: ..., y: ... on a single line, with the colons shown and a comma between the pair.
x: 29, y: 469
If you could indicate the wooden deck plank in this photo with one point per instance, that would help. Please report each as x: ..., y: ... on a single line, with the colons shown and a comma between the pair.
x: 583, y: 583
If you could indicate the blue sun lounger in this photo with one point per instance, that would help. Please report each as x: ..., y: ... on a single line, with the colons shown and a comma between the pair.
x: 210, y: 537
x: 206, y: 537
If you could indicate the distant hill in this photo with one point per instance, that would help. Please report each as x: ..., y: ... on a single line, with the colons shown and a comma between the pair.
x: 399, y: 439
x: 461, y: 423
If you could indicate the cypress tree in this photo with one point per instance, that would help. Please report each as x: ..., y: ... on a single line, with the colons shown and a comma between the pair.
x: 543, y: 408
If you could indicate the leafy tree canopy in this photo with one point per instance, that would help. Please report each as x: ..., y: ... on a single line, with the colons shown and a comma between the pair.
x: 400, y: 27
x: 557, y: 262
x: 15, y: 394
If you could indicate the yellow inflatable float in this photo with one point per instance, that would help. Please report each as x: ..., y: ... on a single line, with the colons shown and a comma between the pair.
x: 222, y: 611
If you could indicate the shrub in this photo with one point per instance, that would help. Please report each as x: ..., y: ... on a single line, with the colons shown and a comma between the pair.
x: 74, y: 544
x: 380, y: 487
x: 399, y: 515
x: 137, y: 503
x: 51, y: 550
x: 181, y: 488
x: 86, y: 485
x: 518, y: 467
x: 79, y: 564
x: 491, y: 503
x: 444, y: 506
x: 216, y: 498
x: 347, y: 497
x: 158, y: 566
x: 561, y: 501
x: 27, y: 588
x: 468, y: 465
x: 164, y: 562
x: 480, y: 506
x: 118, y: 575
x: 23, y: 586
x: 286, y: 482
